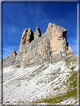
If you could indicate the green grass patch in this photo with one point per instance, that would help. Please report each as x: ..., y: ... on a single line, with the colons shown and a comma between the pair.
x: 70, y: 60
x: 72, y: 68
x: 67, y: 62
x: 59, y: 98
x: 72, y: 80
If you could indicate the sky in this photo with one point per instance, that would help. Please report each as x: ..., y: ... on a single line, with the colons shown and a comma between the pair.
x: 18, y: 16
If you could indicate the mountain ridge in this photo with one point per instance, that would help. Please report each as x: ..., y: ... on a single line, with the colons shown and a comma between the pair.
x: 36, y: 47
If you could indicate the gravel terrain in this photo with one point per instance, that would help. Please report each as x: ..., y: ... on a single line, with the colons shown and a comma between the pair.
x: 26, y: 85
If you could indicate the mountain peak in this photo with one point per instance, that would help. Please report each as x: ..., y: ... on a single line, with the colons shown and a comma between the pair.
x: 36, y: 47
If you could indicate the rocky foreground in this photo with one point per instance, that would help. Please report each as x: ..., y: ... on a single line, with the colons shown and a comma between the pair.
x: 52, y: 82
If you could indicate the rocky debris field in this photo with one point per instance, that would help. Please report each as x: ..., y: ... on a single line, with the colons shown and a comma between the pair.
x: 52, y: 82
x: 69, y: 101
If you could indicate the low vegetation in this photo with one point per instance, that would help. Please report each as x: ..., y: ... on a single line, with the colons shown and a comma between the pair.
x: 71, y: 92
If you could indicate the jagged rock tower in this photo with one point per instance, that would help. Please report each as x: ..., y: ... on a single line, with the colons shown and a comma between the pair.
x: 36, y: 48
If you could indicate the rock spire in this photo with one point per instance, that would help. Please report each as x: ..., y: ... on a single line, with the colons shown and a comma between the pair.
x: 37, y: 48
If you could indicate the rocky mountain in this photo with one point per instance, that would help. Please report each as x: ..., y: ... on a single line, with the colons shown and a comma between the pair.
x: 36, y: 48
x: 43, y: 71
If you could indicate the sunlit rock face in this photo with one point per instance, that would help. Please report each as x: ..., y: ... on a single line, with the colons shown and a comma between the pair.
x: 37, y: 48
x: 58, y: 40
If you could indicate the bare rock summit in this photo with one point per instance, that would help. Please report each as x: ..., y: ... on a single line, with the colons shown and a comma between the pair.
x: 36, y: 48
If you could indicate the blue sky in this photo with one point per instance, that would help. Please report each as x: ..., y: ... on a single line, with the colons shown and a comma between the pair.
x: 18, y: 16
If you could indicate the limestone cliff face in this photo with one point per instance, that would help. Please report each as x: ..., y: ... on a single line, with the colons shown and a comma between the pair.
x: 58, y: 40
x: 36, y: 48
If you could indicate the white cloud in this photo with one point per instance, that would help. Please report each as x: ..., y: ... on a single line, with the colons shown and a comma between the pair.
x: 44, y: 21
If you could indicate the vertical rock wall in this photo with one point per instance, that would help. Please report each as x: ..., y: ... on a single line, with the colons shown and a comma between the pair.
x: 35, y: 48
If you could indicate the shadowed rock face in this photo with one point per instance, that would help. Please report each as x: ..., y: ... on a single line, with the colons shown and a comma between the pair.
x: 36, y: 48
x: 27, y: 37
x: 37, y: 33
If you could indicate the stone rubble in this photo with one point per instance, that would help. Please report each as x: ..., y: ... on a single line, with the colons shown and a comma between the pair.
x: 69, y: 101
